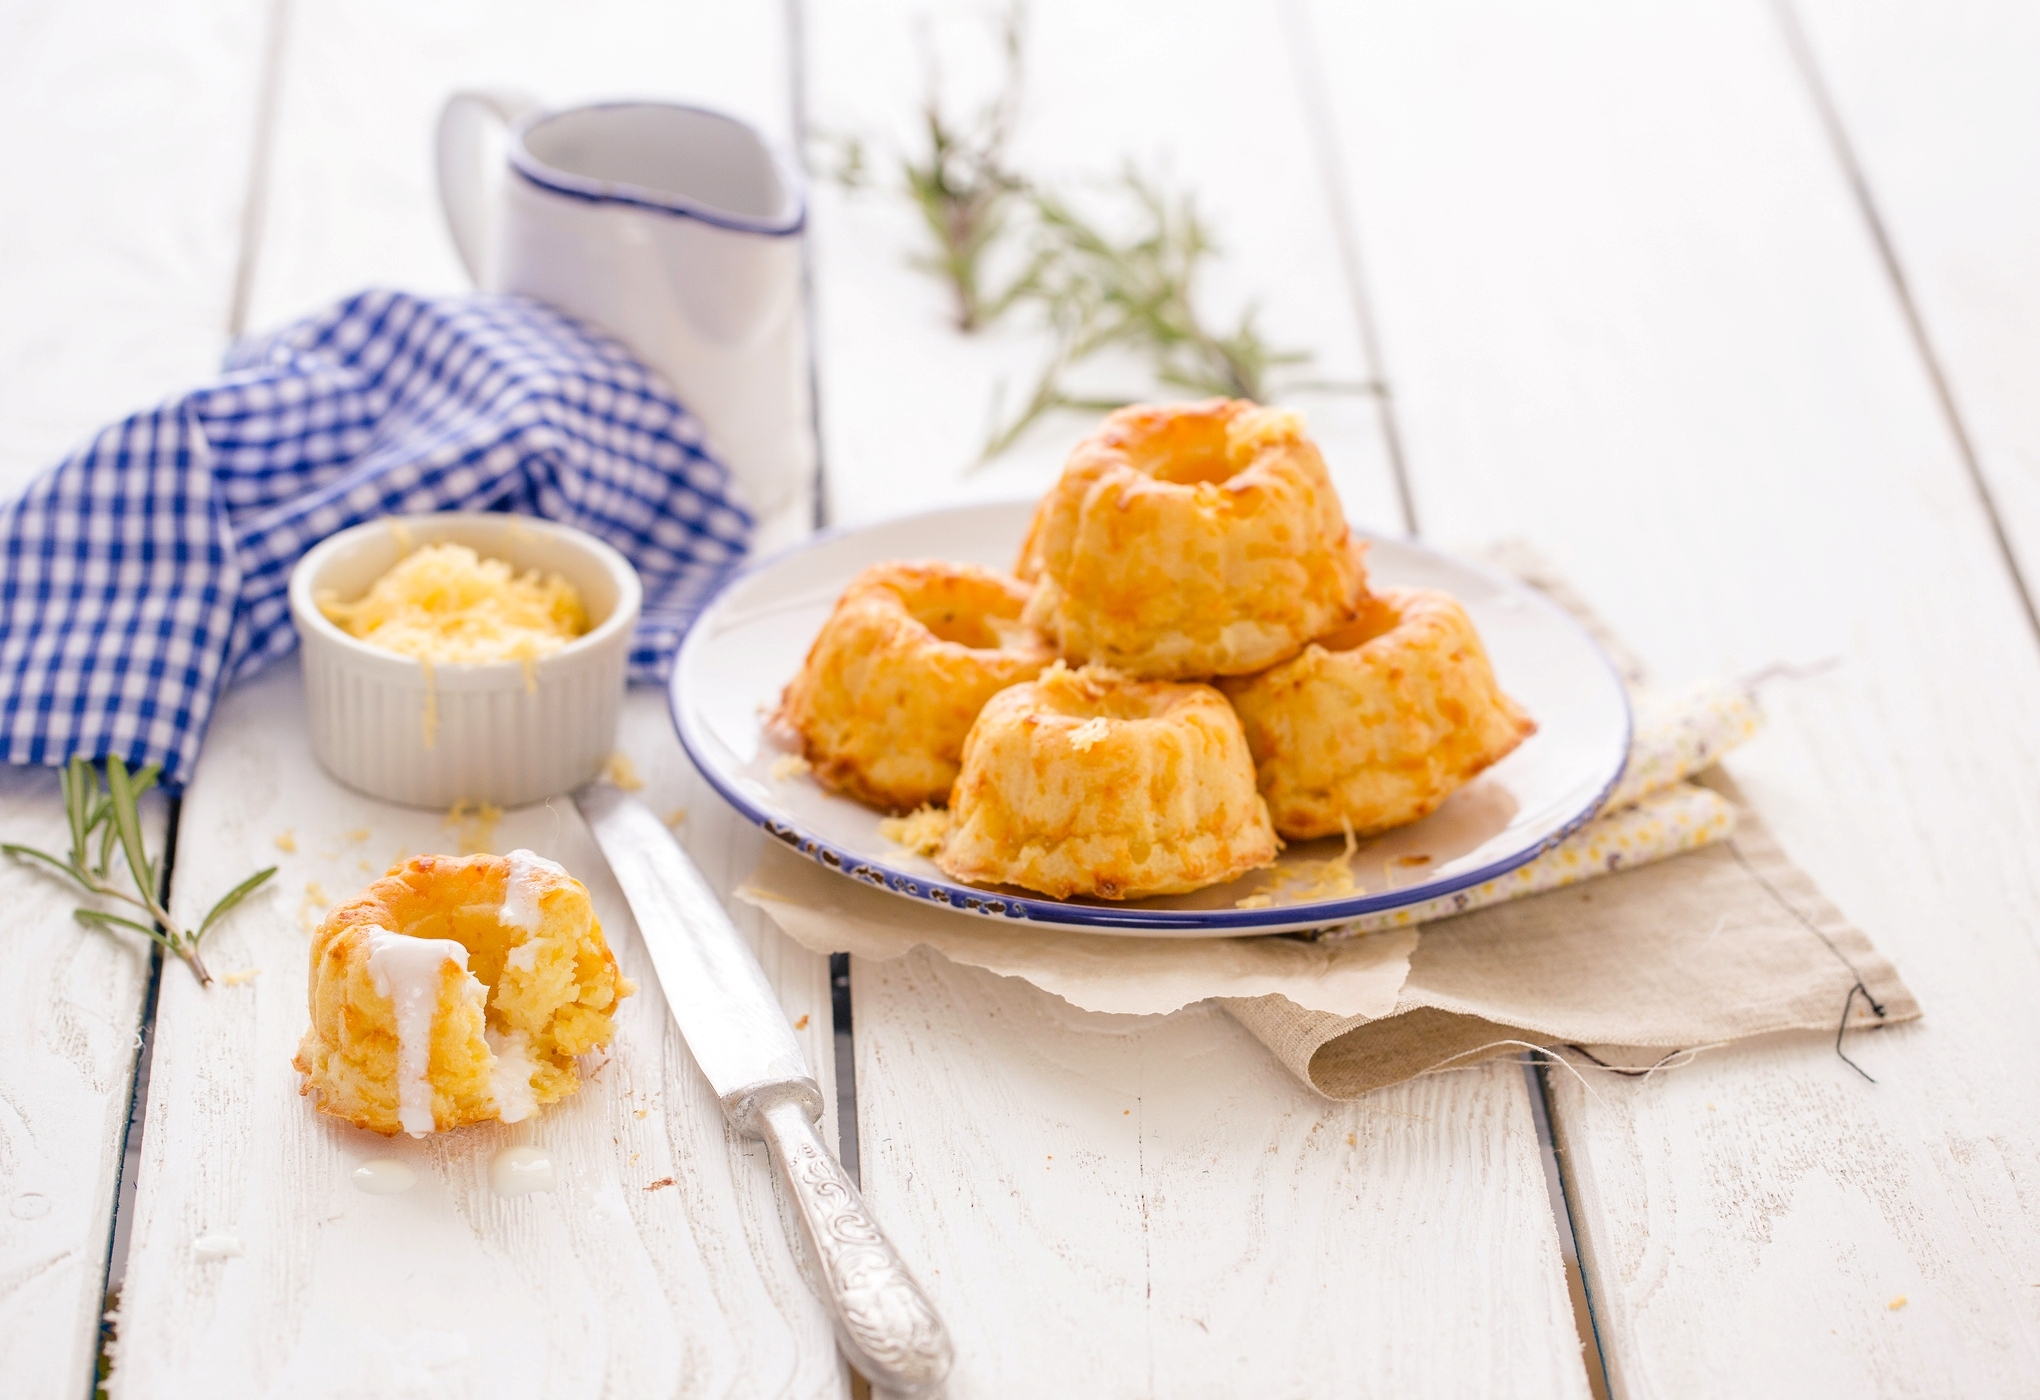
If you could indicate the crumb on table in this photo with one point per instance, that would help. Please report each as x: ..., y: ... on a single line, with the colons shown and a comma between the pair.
x: 476, y: 824
x: 622, y: 773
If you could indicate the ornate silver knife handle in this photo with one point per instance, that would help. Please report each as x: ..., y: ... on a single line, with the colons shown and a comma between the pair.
x: 885, y: 1323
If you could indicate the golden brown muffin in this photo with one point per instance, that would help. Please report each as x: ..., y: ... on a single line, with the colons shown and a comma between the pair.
x: 1090, y: 782
x: 454, y: 990
x: 1192, y: 540
x: 1378, y: 723
x: 901, y: 668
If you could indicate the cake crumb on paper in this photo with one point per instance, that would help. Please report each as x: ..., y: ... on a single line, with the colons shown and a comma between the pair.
x: 240, y: 978
x: 675, y: 817
x: 1896, y: 1303
x: 660, y: 1184
x: 789, y: 765
x: 287, y: 842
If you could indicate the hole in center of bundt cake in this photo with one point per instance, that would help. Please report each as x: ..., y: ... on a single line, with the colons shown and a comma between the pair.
x: 967, y: 629
x: 1193, y: 470
x: 531, y: 940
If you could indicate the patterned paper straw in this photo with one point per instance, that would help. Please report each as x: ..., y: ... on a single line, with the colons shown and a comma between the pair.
x: 1653, y: 812
x: 1681, y: 818
x: 1681, y: 733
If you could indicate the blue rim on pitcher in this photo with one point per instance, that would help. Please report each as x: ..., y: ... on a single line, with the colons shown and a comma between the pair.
x: 557, y: 181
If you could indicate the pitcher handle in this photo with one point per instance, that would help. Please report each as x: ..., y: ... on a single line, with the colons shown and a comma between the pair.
x: 463, y: 184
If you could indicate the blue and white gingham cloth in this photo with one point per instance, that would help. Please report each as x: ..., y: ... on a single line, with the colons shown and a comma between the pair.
x: 145, y: 571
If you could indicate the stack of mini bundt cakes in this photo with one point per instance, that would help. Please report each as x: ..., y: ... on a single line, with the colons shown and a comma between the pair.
x: 1188, y: 666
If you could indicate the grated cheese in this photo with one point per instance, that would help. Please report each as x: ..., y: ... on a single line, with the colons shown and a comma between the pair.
x: 622, y: 773
x: 476, y: 823
x: 1307, y: 881
x: 920, y: 831
x: 445, y: 603
x: 1090, y: 732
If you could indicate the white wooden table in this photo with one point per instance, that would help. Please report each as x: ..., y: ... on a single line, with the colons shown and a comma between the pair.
x: 1734, y: 310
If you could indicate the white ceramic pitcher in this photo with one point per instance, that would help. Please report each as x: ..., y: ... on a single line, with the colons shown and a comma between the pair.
x: 674, y: 228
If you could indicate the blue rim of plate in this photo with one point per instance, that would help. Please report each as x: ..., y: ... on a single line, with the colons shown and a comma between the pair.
x: 971, y: 899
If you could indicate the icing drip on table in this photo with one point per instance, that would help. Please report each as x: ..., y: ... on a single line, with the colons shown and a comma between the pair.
x: 217, y: 1247
x: 407, y: 971
x: 385, y: 1176
x: 522, y: 889
x: 510, y: 1075
x: 519, y: 1171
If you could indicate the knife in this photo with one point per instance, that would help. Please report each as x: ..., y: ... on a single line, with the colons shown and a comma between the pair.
x: 733, y: 1024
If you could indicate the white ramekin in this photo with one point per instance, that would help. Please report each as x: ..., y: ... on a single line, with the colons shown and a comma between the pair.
x: 501, y: 736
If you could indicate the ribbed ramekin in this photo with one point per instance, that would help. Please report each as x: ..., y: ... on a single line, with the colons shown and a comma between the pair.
x: 391, y: 727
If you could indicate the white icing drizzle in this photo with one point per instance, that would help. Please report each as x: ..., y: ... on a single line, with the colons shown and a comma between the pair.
x: 518, y: 1171
x: 522, y: 890
x: 406, y: 970
x: 384, y: 1176
x: 510, y: 1075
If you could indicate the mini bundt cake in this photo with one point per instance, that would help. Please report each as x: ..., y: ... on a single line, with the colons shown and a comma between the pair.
x: 1376, y: 724
x: 1192, y: 540
x: 455, y: 990
x: 899, y: 671
x: 1091, y: 783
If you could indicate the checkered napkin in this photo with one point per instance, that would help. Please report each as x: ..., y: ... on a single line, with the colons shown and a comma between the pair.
x: 149, y: 568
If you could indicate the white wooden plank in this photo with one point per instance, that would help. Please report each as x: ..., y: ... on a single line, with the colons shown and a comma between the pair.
x: 128, y: 161
x: 1630, y: 311
x: 353, y: 201
x: 1111, y: 1207
x: 610, y: 1285
x: 1117, y: 1206
x: 1943, y: 118
x: 1209, y: 103
x: 71, y: 1003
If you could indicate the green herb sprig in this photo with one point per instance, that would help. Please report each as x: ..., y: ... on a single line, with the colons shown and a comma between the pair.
x: 1125, y: 280
x: 966, y: 191
x: 108, y: 816
x: 1137, y: 292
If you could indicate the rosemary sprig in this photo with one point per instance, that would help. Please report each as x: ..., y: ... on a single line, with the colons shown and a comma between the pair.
x: 966, y: 192
x: 111, y: 814
x: 1092, y: 289
x: 1137, y: 292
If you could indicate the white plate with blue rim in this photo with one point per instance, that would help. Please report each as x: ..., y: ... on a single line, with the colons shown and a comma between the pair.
x: 753, y: 635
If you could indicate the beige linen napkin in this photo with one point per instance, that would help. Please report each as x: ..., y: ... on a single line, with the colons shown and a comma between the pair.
x: 1719, y: 944
x: 1726, y: 942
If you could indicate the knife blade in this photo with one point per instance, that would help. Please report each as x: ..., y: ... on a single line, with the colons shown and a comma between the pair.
x: 734, y: 1026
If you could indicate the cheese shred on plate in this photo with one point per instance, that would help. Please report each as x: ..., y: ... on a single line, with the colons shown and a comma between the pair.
x: 446, y: 604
